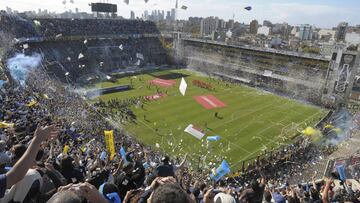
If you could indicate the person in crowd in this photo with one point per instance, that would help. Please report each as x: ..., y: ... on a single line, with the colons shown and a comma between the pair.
x: 167, y: 169
x: 20, y: 168
x: 255, y: 192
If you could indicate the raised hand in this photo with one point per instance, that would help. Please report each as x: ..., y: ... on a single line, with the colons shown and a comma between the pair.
x: 43, y: 133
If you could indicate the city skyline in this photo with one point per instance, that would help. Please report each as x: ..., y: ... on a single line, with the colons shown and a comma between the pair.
x: 323, y: 14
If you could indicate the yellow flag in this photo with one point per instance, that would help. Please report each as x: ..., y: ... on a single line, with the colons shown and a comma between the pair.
x: 6, y: 125
x: 328, y: 126
x: 83, y: 148
x: 31, y: 103
x: 66, y: 149
x: 109, y: 141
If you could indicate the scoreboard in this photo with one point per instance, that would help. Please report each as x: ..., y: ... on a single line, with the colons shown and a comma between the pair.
x: 103, y: 7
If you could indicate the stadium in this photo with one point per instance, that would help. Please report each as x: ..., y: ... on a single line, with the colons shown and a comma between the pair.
x: 122, y: 101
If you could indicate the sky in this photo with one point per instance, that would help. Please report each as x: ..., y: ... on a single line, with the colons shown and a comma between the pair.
x: 321, y: 13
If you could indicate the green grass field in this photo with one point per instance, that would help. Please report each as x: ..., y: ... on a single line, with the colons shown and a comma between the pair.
x: 253, y: 120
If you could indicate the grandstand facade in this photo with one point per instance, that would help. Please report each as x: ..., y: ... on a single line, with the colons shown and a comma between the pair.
x: 307, y: 78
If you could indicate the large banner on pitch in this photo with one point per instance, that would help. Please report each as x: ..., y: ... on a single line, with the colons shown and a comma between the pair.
x: 109, y: 141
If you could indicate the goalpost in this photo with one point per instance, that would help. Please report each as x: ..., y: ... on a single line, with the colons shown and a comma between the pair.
x: 291, y: 130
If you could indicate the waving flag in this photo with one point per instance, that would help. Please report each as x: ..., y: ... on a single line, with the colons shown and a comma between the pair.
x: 31, y: 103
x: 3, y: 124
x: 66, y: 149
x: 123, y: 154
x: 196, y: 132
x: 213, y: 138
x: 221, y: 171
x: 103, y: 155
x: 183, y: 86
x: 109, y: 141
x: 341, y: 170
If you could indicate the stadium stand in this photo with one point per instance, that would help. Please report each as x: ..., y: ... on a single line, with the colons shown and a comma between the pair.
x: 51, y: 151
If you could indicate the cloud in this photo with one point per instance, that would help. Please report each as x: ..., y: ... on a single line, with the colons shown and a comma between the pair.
x: 304, y: 13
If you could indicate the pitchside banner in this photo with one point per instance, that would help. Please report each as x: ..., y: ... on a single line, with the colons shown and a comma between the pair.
x: 109, y: 141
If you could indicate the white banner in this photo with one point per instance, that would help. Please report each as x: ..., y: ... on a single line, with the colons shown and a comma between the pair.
x: 198, y: 133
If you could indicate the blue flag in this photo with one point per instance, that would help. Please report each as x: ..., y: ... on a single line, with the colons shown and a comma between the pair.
x: 221, y: 171
x: 213, y: 138
x: 146, y: 165
x: 123, y: 154
x: 341, y: 170
x: 103, y: 155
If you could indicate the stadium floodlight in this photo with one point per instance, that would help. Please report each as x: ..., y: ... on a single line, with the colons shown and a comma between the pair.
x: 183, y: 86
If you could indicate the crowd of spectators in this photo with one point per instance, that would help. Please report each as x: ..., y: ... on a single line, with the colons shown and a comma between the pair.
x: 70, y: 27
x: 16, y: 26
x: 58, y: 139
x: 121, y: 109
x: 55, y: 27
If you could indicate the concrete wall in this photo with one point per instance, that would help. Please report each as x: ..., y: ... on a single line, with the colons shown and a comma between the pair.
x: 298, y: 77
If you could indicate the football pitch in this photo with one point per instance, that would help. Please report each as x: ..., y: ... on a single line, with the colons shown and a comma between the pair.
x: 249, y: 121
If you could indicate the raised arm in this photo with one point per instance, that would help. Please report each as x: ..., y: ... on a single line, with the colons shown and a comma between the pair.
x: 25, y: 162
x: 325, y: 197
x: 183, y: 162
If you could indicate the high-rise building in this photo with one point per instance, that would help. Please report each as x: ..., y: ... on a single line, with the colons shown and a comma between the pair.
x: 285, y: 30
x: 305, y: 32
x: 230, y: 24
x: 146, y: 15
x: 132, y: 15
x: 168, y: 16
x: 173, y: 14
x: 254, y: 27
x: 209, y: 25
x: 221, y: 24
x: 267, y: 23
x: 341, y: 31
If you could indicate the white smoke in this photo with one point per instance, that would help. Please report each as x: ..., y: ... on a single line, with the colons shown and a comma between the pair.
x: 21, y: 65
